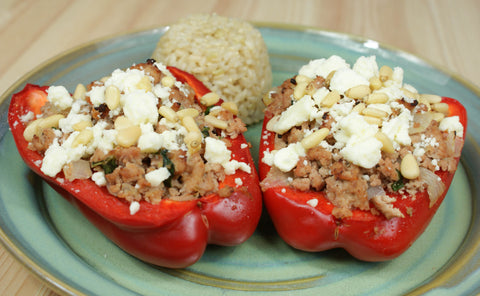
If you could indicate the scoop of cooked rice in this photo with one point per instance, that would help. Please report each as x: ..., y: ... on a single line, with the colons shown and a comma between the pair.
x: 228, y: 55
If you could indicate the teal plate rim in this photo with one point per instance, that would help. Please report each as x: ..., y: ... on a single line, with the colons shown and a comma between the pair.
x: 452, y: 274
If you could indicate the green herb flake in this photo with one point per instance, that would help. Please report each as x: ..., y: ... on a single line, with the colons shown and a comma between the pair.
x: 108, y: 164
x: 167, y: 163
x: 400, y: 183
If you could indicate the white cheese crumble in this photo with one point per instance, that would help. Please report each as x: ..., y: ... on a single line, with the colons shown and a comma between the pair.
x: 140, y: 107
x: 452, y: 124
x: 134, y: 207
x: 361, y: 146
x: 345, y: 79
x: 59, y: 97
x: 323, y: 67
x: 296, y: 114
x: 312, y: 202
x: 238, y: 182
x: 99, y: 178
x: 216, y: 152
x: 286, y: 158
x: 156, y: 177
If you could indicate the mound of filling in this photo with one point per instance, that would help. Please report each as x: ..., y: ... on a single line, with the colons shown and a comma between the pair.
x: 139, y: 132
x: 358, y: 133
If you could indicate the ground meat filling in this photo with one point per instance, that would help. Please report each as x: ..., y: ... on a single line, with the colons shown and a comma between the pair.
x: 125, y: 168
x: 346, y: 185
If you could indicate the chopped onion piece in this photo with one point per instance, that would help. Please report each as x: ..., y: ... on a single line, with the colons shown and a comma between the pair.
x: 435, y: 186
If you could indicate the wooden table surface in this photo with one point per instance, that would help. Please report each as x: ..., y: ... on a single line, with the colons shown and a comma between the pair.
x: 443, y: 32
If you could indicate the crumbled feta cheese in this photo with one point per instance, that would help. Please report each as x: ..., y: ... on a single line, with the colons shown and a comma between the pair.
x: 99, y: 178
x: 156, y: 177
x: 233, y: 165
x: 366, y: 66
x: 312, y: 202
x: 243, y: 146
x: 54, y: 160
x: 140, y: 107
x: 397, y: 128
x: 358, y: 137
x: 149, y: 140
x: 452, y: 124
x: 59, y: 97
x: 97, y: 95
x: 296, y: 114
x: 66, y: 124
x: 134, y: 207
x: 126, y: 81
x: 238, y: 182
x: 345, y: 79
x: 286, y: 158
x: 216, y: 152
x: 323, y: 67
x: 27, y: 117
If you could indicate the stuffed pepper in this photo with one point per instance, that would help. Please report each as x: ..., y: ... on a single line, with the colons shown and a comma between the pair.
x: 352, y: 157
x: 151, y: 157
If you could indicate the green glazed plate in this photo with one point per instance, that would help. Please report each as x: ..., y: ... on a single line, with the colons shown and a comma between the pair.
x: 58, y: 244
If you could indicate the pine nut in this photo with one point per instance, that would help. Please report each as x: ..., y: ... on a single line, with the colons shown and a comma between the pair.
x: 144, y: 84
x: 272, y: 122
x: 373, y: 120
x: 230, y: 106
x: 36, y: 127
x: 329, y: 78
x: 300, y: 90
x: 441, y: 107
x: 387, y: 144
x: 81, y: 125
x: 215, y: 122
x: 302, y: 78
x: 432, y: 99
x: 83, y: 138
x: 167, y: 81
x: 410, y: 94
x: 79, y: 93
x: 31, y: 130
x: 210, y: 99
x: 122, y: 122
x: 376, y: 98
x: 330, y: 99
x: 358, y: 92
x: 193, y: 140
x: 375, y: 83
x: 112, y: 97
x: 189, y: 123
x: 128, y: 136
x: 192, y: 112
x: 409, y: 167
x: 385, y: 73
x: 374, y: 112
x: 437, y: 116
x: 315, y: 138
x: 267, y: 99
x: 358, y: 108
x: 168, y: 113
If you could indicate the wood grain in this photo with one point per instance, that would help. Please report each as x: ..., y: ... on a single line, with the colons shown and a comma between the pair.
x: 443, y: 32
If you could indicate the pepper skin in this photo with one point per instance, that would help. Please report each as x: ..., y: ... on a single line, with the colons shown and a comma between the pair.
x: 171, y: 233
x: 365, y: 236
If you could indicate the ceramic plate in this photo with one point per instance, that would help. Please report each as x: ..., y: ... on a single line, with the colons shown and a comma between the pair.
x: 55, y: 242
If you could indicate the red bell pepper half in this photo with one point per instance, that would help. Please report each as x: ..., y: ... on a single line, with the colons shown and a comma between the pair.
x: 364, y: 235
x: 171, y: 233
